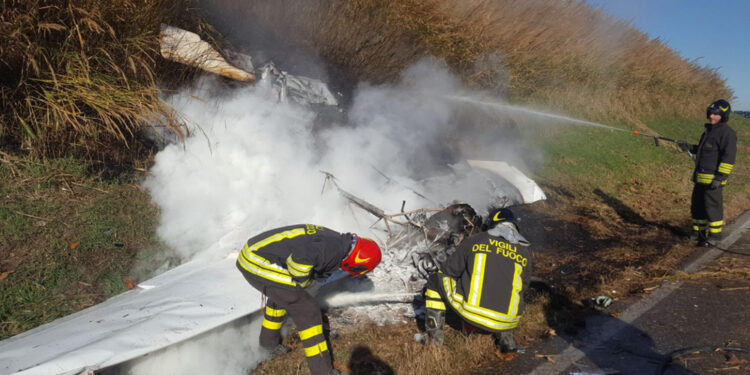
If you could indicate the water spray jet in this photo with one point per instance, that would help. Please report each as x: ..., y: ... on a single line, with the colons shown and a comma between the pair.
x: 515, y: 108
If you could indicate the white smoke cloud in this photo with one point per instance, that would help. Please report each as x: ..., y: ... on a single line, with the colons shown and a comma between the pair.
x: 254, y: 164
x: 231, y: 349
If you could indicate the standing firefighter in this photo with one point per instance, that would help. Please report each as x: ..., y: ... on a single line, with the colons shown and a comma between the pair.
x: 714, y: 161
x: 483, y: 282
x: 285, y: 263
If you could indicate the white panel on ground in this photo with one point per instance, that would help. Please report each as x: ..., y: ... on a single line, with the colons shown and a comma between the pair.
x: 172, y: 307
x: 529, y: 190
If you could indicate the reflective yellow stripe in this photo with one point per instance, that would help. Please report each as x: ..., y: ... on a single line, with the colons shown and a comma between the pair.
x: 297, y: 269
x: 715, y: 230
x: 515, y: 298
x: 488, y: 318
x: 716, y: 223
x: 265, y: 273
x: 315, y: 350
x: 695, y: 227
x: 704, y: 178
x: 432, y: 294
x: 275, y: 313
x: 272, y: 325
x: 277, y: 237
x: 435, y: 305
x: 310, y: 332
x: 477, y: 279
x: 726, y: 168
x: 260, y: 266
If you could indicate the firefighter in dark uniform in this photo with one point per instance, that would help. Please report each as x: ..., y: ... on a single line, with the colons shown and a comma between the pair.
x: 483, y: 281
x: 282, y: 263
x: 714, y: 160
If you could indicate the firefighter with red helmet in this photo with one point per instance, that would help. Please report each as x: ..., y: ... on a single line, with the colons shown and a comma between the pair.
x: 715, y: 155
x: 483, y: 282
x: 284, y: 263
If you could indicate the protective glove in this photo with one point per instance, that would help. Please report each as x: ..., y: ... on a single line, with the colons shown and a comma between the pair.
x: 684, y: 146
x: 312, y: 287
x: 715, y: 184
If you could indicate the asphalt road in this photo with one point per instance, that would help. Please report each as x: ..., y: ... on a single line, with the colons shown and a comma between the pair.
x: 674, y: 330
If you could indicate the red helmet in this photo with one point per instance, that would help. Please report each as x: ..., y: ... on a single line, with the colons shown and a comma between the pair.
x: 363, y: 258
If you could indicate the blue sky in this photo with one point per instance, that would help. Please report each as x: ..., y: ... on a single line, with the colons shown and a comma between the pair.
x: 716, y: 31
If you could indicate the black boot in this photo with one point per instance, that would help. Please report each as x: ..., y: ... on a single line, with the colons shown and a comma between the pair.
x: 703, y: 239
x: 434, y: 321
x: 504, y: 342
x: 714, y: 239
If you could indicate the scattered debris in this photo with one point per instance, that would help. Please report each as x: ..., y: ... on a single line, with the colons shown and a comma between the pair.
x: 74, y: 245
x: 506, y: 357
x: 734, y: 361
x: 185, y: 47
x: 549, y: 333
x: 129, y: 283
x: 5, y: 275
x: 548, y: 357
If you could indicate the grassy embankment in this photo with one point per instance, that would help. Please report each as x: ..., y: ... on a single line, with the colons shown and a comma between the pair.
x: 74, y: 83
x: 78, y: 81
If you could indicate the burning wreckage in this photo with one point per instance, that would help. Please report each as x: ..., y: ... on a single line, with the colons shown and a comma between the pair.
x: 181, y: 305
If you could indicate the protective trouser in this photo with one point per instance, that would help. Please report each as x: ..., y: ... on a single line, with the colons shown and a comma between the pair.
x: 305, y: 312
x: 435, y: 310
x: 707, y: 210
x: 435, y: 317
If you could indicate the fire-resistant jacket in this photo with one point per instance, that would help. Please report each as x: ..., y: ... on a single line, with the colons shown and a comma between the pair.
x: 715, y: 154
x: 290, y: 257
x: 486, y: 279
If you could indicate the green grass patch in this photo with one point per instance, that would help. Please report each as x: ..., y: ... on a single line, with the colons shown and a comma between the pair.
x: 67, y: 238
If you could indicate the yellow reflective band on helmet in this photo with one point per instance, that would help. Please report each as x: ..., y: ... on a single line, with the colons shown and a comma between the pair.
x: 723, y: 109
x: 435, y: 305
x: 315, y: 350
x: 515, y: 298
x: 272, y: 325
x: 275, y: 313
x: 311, y: 332
x: 297, y: 269
x: 497, y: 217
x: 477, y: 279
x: 726, y: 168
x: 432, y: 294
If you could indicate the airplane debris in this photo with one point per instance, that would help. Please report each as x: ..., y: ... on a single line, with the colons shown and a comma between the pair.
x: 188, y: 48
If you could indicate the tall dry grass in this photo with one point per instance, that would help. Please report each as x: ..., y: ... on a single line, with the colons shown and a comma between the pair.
x: 80, y: 76
x: 558, y: 54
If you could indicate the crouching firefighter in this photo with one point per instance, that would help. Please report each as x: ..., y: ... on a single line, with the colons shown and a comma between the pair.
x: 483, y: 282
x: 715, y: 154
x: 285, y: 264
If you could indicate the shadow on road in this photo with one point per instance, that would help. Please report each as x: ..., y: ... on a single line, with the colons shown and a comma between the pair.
x: 603, y: 344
